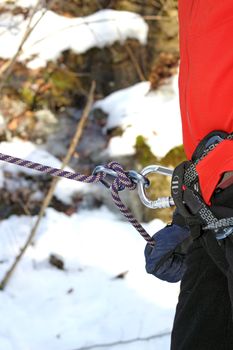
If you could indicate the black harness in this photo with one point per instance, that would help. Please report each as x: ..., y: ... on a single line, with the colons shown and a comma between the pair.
x: 187, y: 194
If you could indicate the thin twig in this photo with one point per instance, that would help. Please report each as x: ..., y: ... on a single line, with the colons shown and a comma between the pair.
x: 135, y: 62
x: 157, y: 18
x: 24, y: 207
x: 6, y: 69
x: 124, y: 342
x: 48, y: 197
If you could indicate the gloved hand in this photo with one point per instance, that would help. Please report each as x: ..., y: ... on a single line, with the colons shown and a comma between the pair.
x: 166, y: 260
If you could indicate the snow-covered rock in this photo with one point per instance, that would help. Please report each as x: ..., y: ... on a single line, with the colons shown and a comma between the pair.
x: 138, y: 111
x: 55, y: 33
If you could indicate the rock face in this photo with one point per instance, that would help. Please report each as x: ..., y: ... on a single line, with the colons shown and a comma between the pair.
x: 120, y: 66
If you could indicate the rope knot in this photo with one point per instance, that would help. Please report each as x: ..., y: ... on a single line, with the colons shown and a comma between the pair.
x: 122, y: 180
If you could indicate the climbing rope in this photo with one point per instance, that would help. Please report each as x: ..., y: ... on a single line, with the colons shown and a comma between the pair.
x: 121, y: 181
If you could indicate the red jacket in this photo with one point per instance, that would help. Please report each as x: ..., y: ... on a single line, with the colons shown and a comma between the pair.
x: 206, y: 83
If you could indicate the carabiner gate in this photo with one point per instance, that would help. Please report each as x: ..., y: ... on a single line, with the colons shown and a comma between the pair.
x: 163, y: 202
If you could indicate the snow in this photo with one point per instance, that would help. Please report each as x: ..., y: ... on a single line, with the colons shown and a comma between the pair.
x: 138, y: 111
x: 65, y: 188
x: 46, y: 308
x: 26, y: 3
x: 55, y: 33
x: 85, y: 304
x: 20, y: 3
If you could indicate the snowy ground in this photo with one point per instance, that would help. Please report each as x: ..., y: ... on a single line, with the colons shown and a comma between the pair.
x: 45, y: 308
x: 84, y: 305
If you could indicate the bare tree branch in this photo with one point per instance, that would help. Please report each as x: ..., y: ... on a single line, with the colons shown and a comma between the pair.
x: 6, y: 69
x: 125, y: 342
x: 135, y: 62
x: 48, y: 197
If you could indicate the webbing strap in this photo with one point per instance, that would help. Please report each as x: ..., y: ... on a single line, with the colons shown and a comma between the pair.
x: 202, y: 150
x: 205, y: 214
x: 221, y: 223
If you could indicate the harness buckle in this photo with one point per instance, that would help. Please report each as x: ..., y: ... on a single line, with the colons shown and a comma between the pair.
x: 224, y: 233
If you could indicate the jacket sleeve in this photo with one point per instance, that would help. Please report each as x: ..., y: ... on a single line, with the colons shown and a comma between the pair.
x: 166, y: 260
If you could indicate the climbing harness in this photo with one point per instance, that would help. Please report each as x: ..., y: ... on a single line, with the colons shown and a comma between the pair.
x: 186, y: 192
x: 114, y: 177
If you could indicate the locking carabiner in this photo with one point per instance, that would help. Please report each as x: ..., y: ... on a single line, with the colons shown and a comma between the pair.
x: 163, y: 202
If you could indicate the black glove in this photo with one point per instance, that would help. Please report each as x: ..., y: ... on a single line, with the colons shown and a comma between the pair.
x: 166, y: 260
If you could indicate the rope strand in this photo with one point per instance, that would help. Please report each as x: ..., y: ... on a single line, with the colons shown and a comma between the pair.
x: 121, y: 182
